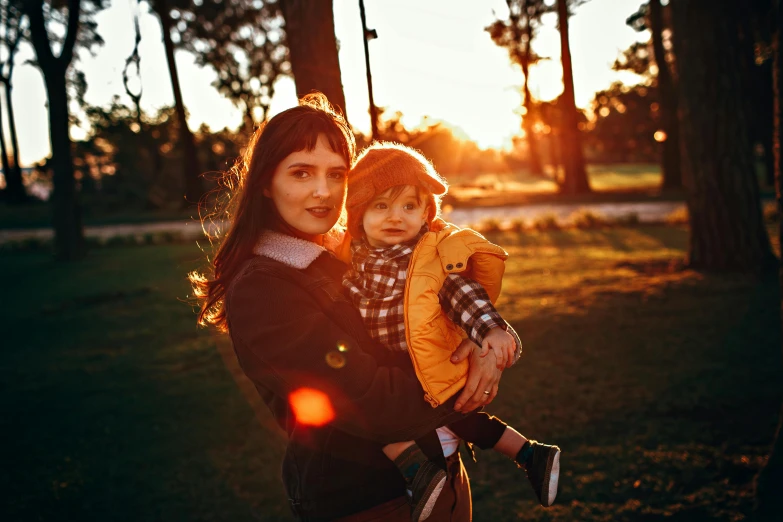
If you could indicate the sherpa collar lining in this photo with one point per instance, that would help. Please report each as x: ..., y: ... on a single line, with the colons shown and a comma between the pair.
x: 292, y: 251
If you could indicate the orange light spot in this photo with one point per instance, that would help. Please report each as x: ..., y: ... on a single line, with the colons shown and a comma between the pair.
x: 659, y: 136
x: 311, y: 407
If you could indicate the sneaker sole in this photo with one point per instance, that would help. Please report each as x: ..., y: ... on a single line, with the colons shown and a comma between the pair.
x: 432, y: 494
x: 551, y: 478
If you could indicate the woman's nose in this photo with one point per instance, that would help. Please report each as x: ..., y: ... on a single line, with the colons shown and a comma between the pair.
x: 321, y: 189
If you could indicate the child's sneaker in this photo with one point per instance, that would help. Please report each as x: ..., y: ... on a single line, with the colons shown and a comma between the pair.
x: 425, y: 489
x: 542, y: 464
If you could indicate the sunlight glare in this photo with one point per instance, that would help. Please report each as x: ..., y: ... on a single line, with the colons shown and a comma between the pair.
x: 311, y: 407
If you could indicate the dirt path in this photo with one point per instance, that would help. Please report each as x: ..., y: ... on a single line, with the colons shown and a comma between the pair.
x: 646, y: 211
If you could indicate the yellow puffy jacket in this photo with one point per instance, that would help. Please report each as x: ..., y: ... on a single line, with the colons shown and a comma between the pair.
x: 431, y: 336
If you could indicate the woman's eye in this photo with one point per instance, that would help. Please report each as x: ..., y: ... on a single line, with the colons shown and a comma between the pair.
x: 301, y: 174
x: 337, y: 175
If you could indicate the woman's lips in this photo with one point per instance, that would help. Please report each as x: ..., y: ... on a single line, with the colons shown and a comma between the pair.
x: 320, y: 212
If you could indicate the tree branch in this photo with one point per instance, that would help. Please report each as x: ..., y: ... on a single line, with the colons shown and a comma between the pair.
x: 12, y: 50
x: 74, y: 8
x: 38, y: 34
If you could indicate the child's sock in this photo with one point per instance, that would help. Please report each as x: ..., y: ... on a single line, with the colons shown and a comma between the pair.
x: 424, y: 481
x: 524, y: 455
x: 510, y: 442
x: 409, y: 462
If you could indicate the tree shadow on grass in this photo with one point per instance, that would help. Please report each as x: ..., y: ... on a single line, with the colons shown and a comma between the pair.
x: 665, y: 237
x: 664, y: 400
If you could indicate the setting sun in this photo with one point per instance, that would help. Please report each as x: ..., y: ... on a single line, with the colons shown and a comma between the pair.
x: 431, y: 60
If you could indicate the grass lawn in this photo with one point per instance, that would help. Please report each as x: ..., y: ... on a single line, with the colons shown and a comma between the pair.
x: 622, y: 182
x: 661, y: 385
x: 94, y: 212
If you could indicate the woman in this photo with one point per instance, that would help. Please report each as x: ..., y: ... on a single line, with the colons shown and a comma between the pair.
x: 276, y: 290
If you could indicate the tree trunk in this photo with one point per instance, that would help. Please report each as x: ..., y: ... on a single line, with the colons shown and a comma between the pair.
x: 15, y: 190
x: 556, y: 159
x: 726, y: 227
x: 12, y: 129
x: 309, y: 27
x: 763, y: 109
x: 527, y: 121
x: 250, y: 122
x: 670, y: 164
x: 194, y: 188
x: 11, y: 185
x: 575, y: 181
x: 68, y: 230
x: 374, y: 134
x: 769, y: 483
x: 66, y: 212
x: 769, y: 162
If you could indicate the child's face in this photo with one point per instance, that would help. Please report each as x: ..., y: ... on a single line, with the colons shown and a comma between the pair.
x: 390, y: 221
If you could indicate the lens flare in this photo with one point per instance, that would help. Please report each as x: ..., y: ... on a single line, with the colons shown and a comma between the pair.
x: 311, y: 407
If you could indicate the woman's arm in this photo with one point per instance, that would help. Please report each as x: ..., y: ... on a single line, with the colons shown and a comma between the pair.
x: 285, y: 342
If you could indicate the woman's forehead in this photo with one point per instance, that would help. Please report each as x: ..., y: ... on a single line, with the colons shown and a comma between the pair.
x: 321, y: 154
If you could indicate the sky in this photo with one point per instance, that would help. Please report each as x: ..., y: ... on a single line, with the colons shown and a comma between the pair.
x: 431, y: 59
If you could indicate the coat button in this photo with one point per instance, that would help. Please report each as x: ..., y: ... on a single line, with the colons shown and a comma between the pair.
x: 335, y: 360
x: 459, y: 265
x: 449, y: 267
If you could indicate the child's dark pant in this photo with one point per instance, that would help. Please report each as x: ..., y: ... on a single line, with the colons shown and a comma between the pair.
x: 481, y: 429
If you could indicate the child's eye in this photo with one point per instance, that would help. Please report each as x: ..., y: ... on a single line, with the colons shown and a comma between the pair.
x: 410, y: 206
x: 380, y: 206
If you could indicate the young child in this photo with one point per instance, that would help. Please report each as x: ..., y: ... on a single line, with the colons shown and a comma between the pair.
x: 421, y: 284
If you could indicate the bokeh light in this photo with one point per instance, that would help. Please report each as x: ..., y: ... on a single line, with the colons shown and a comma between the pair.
x: 311, y: 407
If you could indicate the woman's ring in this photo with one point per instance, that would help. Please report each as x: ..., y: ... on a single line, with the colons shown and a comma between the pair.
x: 486, y: 392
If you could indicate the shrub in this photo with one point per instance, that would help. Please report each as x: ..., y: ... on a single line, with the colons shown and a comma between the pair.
x: 584, y: 218
x: 546, y: 222
x: 518, y: 225
x: 631, y: 219
x: 678, y: 217
x: 490, y: 225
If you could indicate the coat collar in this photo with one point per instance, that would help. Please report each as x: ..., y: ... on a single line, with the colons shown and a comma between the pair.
x: 292, y: 251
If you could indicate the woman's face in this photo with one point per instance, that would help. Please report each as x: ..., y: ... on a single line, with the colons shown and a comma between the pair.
x: 308, y: 188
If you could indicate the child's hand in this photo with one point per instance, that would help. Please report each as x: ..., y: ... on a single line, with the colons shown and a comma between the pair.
x: 503, y: 345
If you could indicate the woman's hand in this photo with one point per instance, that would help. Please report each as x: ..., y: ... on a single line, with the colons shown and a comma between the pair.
x: 483, y: 376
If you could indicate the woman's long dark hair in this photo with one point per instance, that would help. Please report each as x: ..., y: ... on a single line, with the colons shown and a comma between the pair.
x: 243, y: 201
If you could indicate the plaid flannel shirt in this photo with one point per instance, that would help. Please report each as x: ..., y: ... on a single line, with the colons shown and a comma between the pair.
x: 376, y: 286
